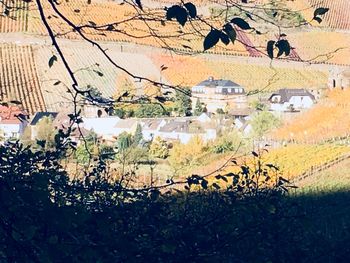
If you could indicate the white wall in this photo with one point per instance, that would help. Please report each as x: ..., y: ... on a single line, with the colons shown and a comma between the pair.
x: 12, y: 130
x: 102, y: 126
x: 298, y: 102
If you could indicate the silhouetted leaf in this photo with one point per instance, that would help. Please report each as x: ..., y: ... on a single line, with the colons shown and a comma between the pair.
x: 255, y: 154
x: 216, y: 186
x: 181, y: 16
x: 249, y: 16
x: 138, y: 2
x: 92, y: 23
x: 204, y: 184
x: 171, y: 12
x: 15, y: 102
x: 52, y: 60
x: 320, y: 11
x: 177, y: 12
x: 283, y: 47
x: 110, y: 27
x: 98, y: 73
x: 270, y: 47
x: 318, y: 19
x: 231, y: 32
x: 211, y: 39
x: 41, y: 143
x: 6, y: 12
x: 192, y: 10
x: 224, y: 38
x: 57, y: 82
x: 240, y: 23
x: 160, y: 99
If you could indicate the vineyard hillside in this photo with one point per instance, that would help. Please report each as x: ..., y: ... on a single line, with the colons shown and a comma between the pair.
x: 336, y: 18
x: 322, y: 46
x: 92, y: 71
x: 189, y: 71
x: 18, y: 77
x: 329, y: 119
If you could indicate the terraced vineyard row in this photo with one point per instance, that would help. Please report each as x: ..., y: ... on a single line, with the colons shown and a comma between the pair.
x: 189, y: 71
x: 322, y: 47
x: 135, y: 31
x: 103, y: 76
x: 16, y: 20
x: 328, y: 119
x: 338, y: 15
x: 336, y: 18
x: 18, y: 77
x: 295, y: 159
x: 200, y: 3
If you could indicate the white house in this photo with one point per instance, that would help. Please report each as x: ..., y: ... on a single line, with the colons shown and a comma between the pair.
x: 291, y: 99
x: 105, y: 127
x: 219, y: 94
x: 12, y: 121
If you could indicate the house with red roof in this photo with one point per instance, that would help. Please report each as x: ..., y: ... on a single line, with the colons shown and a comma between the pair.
x: 13, y: 121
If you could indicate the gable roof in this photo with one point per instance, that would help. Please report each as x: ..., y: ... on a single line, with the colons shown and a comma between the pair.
x: 287, y: 94
x: 125, y: 123
x: 218, y: 82
x: 39, y: 115
x: 175, y: 126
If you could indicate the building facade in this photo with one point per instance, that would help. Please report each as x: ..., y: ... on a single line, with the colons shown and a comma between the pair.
x: 219, y: 94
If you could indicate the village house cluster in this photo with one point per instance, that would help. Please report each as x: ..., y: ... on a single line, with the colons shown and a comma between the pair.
x: 216, y: 95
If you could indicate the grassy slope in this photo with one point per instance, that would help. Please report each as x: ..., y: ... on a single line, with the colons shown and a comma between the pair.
x: 334, y: 178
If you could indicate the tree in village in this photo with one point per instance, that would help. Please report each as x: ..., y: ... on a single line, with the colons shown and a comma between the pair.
x: 159, y: 148
x: 183, y: 157
x: 138, y: 137
x: 124, y: 141
x: 228, y: 142
x: 263, y: 122
x: 150, y: 111
x: 182, y: 103
x: 45, y: 133
x: 198, y: 110
x: 89, y: 148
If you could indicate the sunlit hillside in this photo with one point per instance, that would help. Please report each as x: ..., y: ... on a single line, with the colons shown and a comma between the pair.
x: 18, y: 77
x: 329, y: 119
x: 189, y: 71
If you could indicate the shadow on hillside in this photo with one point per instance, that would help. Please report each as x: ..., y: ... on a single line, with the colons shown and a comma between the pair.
x: 194, y: 227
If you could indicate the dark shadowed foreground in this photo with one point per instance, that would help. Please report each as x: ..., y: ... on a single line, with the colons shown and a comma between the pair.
x: 47, y: 218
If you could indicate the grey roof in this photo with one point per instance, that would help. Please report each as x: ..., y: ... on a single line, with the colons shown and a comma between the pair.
x: 39, y: 115
x: 175, y: 126
x: 218, y: 82
x: 287, y: 94
x: 125, y: 123
x: 151, y: 124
